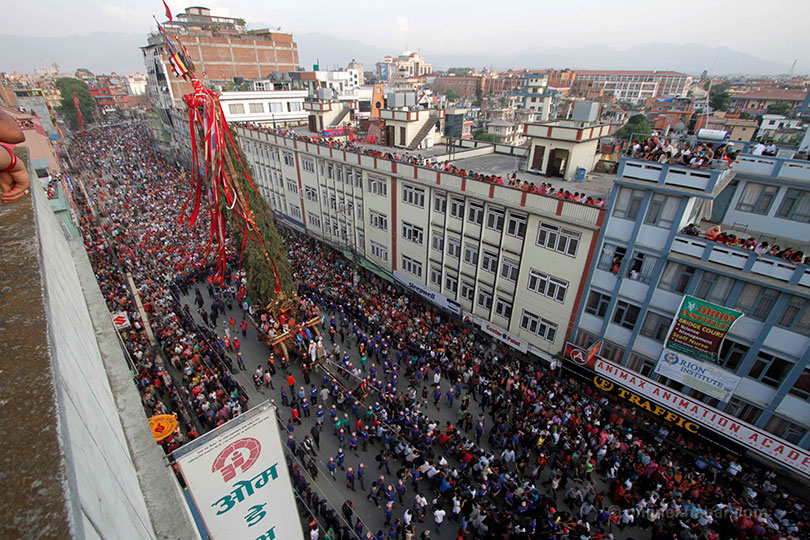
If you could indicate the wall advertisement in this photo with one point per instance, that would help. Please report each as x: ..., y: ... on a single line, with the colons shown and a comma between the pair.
x: 751, y: 437
x: 699, y: 328
x: 238, y: 479
x: 430, y: 295
x: 705, y: 377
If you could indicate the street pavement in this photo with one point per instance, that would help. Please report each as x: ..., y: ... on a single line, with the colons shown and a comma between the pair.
x: 256, y: 353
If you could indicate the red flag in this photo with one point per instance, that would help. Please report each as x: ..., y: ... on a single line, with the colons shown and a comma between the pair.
x: 168, y: 11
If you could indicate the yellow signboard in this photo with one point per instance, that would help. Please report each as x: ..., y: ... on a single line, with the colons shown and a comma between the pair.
x: 163, y: 425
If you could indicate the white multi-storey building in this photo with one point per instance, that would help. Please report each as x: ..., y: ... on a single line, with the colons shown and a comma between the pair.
x: 647, y: 262
x: 510, y: 260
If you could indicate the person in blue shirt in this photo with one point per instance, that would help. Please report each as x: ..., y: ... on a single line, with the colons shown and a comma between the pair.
x: 361, y: 473
x: 437, y: 396
x: 340, y: 457
x: 291, y: 444
x: 350, y: 479
x: 332, y: 467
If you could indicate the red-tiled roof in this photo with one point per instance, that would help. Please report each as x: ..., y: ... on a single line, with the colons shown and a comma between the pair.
x: 773, y: 93
x: 631, y: 72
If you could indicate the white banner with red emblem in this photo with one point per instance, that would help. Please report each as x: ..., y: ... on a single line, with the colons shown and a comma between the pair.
x: 239, y: 481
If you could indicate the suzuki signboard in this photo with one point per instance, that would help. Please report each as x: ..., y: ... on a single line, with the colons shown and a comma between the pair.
x: 239, y: 481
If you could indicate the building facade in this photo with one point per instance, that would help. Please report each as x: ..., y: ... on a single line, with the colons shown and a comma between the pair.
x: 407, y: 65
x: 509, y: 260
x: 272, y: 108
x: 758, y: 101
x: 646, y: 263
x: 632, y: 86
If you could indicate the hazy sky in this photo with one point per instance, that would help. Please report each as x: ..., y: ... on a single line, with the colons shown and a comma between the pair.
x: 773, y: 29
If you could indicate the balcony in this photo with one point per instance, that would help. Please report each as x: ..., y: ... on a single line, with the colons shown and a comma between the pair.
x: 776, y: 167
x: 741, y: 259
x: 673, y: 175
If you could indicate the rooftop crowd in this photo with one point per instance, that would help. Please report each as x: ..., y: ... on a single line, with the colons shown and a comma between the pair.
x: 530, y: 455
x: 545, y: 189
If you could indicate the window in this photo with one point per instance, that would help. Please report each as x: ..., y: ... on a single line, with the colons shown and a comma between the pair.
x: 359, y: 210
x: 785, y: 429
x: 332, y: 202
x: 470, y: 253
x: 757, y: 302
x: 291, y: 185
x: 275, y: 106
x: 436, y: 276
x: 308, y: 165
x: 485, y: 299
x: 503, y: 308
x: 256, y: 108
x: 454, y: 247
x: 413, y: 195
x: 413, y: 233
x: 293, y: 106
x: 361, y: 241
x: 642, y: 266
x: 714, y: 288
x: 495, y: 219
x: 475, y: 213
x: 642, y: 365
x: 377, y: 186
x: 451, y: 284
x: 769, y: 369
x: 440, y: 203
x: 489, y: 262
x: 732, y: 354
x: 516, y: 226
x: 288, y: 158
x: 626, y: 314
x: 538, y: 326
x: 510, y: 269
x: 379, y: 251
x: 742, y: 410
x: 411, y: 266
x: 311, y: 193
x: 801, y: 387
x: 358, y: 179
x: 547, y: 285
x: 295, y: 211
x: 656, y: 326
x: 236, y: 108
x: 555, y: 238
x: 597, y: 304
x: 796, y: 315
x: 611, y: 258
x: 457, y: 208
x: 628, y: 203
x: 676, y: 277
x: 313, y: 219
x: 437, y: 241
x: 467, y: 290
x: 378, y: 220
x: 757, y: 198
x: 662, y: 210
x: 795, y: 205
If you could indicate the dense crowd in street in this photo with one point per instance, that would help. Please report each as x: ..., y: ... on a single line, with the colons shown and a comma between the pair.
x: 545, y: 188
x: 529, y: 455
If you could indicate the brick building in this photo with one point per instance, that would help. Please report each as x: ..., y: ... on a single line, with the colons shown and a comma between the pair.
x: 633, y: 86
x: 221, y: 48
x: 111, y: 93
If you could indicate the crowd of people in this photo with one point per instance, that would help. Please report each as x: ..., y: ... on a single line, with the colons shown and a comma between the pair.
x: 715, y: 234
x: 511, y: 180
x: 529, y: 455
x: 680, y: 152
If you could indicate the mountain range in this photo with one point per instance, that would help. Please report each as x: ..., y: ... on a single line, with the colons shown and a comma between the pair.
x: 104, y: 52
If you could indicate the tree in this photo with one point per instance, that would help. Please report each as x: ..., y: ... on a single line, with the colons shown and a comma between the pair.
x: 778, y: 108
x: 479, y: 92
x: 744, y: 115
x: 460, y: 71
x: 636, y: 124
x: 487, y: 137
x: 67, y: 86
x: 719, y: 101
x: 261, y: 282
x: 450, y: 94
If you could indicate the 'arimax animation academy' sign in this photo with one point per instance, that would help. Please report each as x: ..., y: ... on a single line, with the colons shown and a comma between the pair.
x: 239, y: 481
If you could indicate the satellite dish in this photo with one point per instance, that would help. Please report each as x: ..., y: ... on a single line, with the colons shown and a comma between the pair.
x: 679, y: 127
